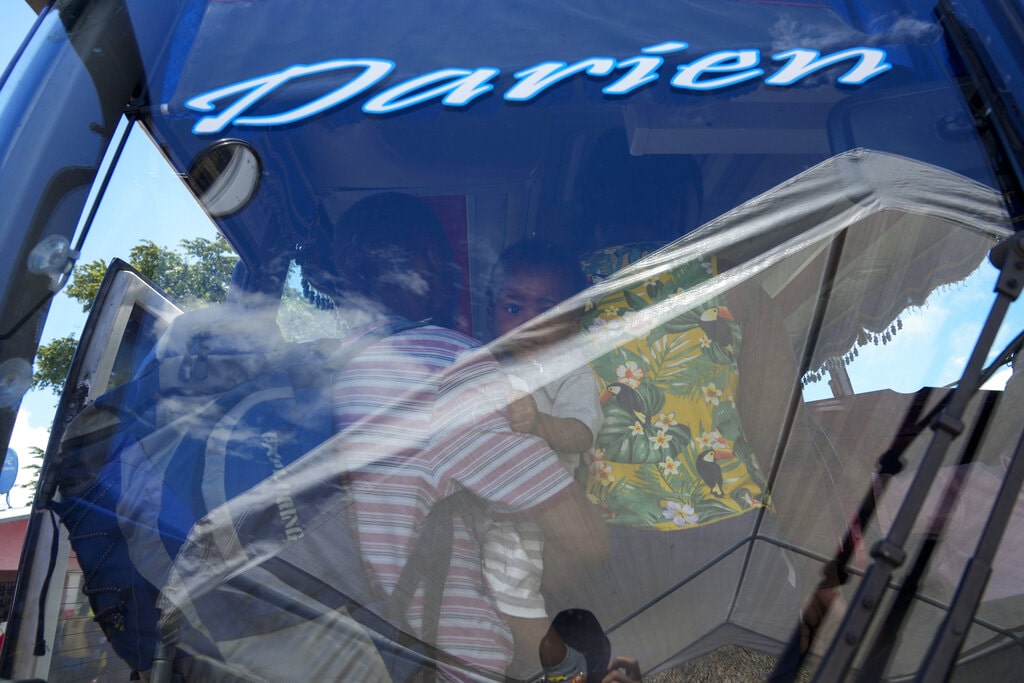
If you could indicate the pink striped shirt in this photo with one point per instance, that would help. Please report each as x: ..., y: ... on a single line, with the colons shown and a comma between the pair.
x: 423, y: 414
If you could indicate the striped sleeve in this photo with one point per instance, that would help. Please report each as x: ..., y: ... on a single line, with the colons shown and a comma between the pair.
x: 513, y: 472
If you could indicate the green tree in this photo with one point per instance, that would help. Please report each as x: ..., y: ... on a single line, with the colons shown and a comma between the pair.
x: 31, y: 464
x: 85, y: 282
x: 299, y: 319
x: 196, y: 275
x: 52, y: 363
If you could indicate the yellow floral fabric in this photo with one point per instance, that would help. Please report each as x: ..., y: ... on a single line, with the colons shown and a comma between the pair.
x: 671, y: 453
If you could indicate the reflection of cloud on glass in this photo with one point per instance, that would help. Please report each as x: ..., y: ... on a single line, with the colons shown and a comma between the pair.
x: 916, y: 356
x: 922, y: 323
x: 820, y: 35
x: 936, y: 340
x: 955, y: 366
x: 907, y: 29
x: 23, y: 438
x: 978, y: 289
x: 411, y: 281
x: 964, y: 335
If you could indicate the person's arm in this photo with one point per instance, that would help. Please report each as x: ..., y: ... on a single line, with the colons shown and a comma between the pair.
x: 564, y: 435
x: 516, y: 473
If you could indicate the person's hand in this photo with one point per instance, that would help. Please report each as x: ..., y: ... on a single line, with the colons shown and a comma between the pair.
x: 623, y: 670
x: 522, y: 414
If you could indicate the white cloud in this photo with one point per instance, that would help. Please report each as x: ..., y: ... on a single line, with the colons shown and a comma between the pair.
x: 886, y: 29
x: 22, y: 438
x: 917, y: 355
x: 923, y: 322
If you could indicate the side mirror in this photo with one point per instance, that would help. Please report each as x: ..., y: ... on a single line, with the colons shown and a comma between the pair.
x: 225, y: 176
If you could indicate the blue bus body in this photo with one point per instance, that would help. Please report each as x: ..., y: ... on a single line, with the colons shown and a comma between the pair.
x: 840, y: 169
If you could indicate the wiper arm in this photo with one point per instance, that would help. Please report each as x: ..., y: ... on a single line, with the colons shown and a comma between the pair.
x: 889, y: 553
x: 992, y: 101
x: 950, y: 637
x: 836, y: 572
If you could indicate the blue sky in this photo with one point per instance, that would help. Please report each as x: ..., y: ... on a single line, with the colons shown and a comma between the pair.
x: 16, y: 19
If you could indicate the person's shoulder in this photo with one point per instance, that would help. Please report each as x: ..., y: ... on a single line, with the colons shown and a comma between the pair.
x: 453, y: 337
x: 582, y: 372
x: 437, y: 336
x: 573, y: 380
x: 432, y: 344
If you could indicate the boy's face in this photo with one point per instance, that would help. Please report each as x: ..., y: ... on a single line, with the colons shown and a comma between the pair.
x: 522, y: 297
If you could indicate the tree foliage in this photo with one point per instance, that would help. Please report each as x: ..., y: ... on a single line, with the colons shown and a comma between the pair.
x: 52, y: 363
x: 85, y: 282
x: 196, y: 275
x: 32, y: 467
x: 299, y: 319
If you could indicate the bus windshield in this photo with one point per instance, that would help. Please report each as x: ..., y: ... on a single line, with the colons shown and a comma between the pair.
x: 498, y: 340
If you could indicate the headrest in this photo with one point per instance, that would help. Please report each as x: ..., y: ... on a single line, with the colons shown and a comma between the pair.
x: 601, y: 263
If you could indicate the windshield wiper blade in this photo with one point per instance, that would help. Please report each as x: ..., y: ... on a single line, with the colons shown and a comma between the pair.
x: 889, y: 554
x: 991, y: 100
x: 950, y: 637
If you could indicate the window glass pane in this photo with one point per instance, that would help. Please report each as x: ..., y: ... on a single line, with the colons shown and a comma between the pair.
x: 145, y: 218
x: 657, y: 285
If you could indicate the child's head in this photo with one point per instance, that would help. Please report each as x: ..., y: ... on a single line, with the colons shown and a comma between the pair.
x: 529, y: 278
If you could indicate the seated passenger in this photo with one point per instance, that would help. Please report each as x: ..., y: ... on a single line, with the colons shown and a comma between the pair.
x: 424, y: 414
x: 530, y: 278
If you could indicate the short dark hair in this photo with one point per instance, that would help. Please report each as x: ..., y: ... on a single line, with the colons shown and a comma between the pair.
x: 382, y: 235
x: 537, y: 256
x: 378, y: 229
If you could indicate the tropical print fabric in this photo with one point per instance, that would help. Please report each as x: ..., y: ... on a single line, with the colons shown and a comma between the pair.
x: 671, y: 454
